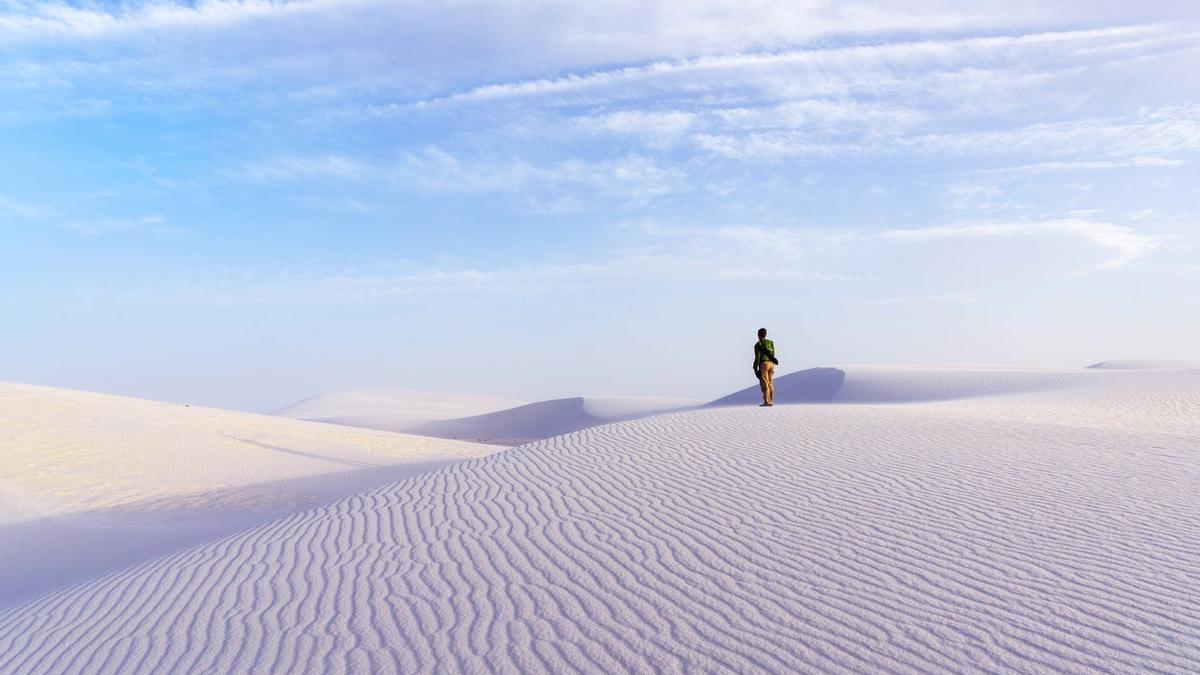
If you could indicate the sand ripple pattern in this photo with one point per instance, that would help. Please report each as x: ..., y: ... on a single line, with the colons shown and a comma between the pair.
x: 832, y: 538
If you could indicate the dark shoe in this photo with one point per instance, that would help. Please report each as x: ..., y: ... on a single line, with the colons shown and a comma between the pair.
x: 765, y: 405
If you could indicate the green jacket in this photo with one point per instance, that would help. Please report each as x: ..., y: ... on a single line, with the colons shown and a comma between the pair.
x: 760, y: 354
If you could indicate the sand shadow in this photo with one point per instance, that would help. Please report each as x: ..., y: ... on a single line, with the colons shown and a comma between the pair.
x: 48, y: 554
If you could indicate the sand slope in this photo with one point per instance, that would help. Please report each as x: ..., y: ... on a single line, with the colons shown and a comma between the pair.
x: 1049, y: 529
x: 91, y: 483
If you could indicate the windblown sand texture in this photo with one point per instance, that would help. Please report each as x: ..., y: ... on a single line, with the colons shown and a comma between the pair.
x: 963, y: 520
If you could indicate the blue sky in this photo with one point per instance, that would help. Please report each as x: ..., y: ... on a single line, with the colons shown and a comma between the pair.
x: 245, y: 203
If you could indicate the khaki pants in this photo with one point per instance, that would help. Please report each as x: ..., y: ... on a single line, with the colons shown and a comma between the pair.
x: 766, y: 381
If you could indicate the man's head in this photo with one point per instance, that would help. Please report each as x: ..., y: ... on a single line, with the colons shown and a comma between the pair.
x: 762, y: 333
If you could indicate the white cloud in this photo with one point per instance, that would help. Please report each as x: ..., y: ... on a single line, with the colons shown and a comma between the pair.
x: 829, y: 115
x: 660, y: 129
x: 735, y: 253
x: 1157, y: 132
x: 295, y: 167
x: 23, y: 210
x: 1088, y: 165
x: 325, y: 59
x: 358, y: 48
x: 811, y: 127
x: 109, y: 225
x: 1125, y: 244
x: 429, y: 169
x: 558, y: 30
x: 726, y: 80
x: 1149, y: 138
x: 47, y: 20
x: 357, y: 285
x: 972, y: 196
x: 774, y: 146
x: 812, y: 71
x: 436, y: 170
x: 560, y: 186
x: 930, y: 298
x: 633, y: 179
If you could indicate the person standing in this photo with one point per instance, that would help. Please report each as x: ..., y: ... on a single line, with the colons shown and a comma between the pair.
x: 764, y: 367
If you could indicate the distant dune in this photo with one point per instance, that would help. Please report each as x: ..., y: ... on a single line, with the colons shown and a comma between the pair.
x: 982, y: 520
x: 912, y: 384
x: 391, y: 410
x: 1147, y: 364
x: 550, y: 418
x: 476, y: 419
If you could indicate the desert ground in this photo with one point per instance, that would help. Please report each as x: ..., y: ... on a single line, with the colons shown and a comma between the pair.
x: 878, y: 519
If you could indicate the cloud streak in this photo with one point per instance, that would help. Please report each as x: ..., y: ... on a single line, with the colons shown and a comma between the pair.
x: 1125, y: 244
x: 858, y: 58
x: 633, y: 178
x: 59, y: 20
x: 23, y: 210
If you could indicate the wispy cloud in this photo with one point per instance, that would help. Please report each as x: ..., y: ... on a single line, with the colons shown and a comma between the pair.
x: 384, y: 284
x: 289, y: 168
x: 111, y: 225
x: 1149, y: 138
x: 660, y: 128
x: 812, y: 66
x: 973, y: 196
x: 632, y: 178
x: 316, y: 49
x: 1125, y: 244
x: 46, y: 20
x: 931, y: 298
x: 734, y: 253
x: 23, y: 210
x: 51, y: 216
x: 1156, y: 132
x: 1086, y: 165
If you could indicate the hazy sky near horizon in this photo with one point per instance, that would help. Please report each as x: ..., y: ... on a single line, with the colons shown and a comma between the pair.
x: 246, y: 203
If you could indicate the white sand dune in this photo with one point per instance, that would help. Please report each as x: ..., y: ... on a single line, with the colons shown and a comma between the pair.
x: 392, y: 410
x: 90, y: 483
x: 477, y: 419
x: 1054, y: 528
x: 911, y: 384
x: 550, y: 418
